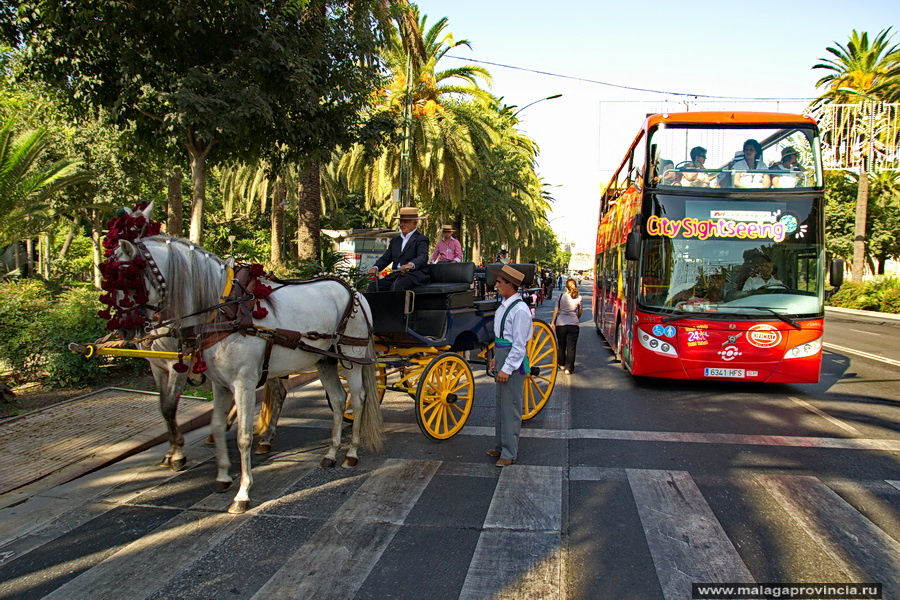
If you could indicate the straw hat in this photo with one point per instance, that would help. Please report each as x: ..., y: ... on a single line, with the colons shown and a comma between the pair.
x: 788, y: 150
x: 410, y: 212
x: 512, y: 275
x: 447, y: 228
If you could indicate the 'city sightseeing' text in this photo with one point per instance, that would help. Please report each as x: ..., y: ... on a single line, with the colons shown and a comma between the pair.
x: 723, y: 228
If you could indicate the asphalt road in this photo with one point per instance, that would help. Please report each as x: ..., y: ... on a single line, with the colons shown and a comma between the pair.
x: 623, y: 489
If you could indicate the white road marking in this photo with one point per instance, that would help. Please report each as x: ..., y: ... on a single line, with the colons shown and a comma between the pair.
x: 895, y: 484
x: 519, y: 553
x: 335, y: 562
x: 869, y: 355
x: 863, y: 549
x: 686, y: 540
x: 792, y: 441
x: 826, y: 416
x: 861, y: 331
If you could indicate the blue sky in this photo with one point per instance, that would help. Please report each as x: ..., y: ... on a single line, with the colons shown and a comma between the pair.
x: 761, y: 48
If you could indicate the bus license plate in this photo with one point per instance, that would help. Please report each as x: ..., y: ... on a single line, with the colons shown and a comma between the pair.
x: 719, y: 372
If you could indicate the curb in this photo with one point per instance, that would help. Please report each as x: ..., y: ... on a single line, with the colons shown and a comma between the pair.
x: 871, y: 314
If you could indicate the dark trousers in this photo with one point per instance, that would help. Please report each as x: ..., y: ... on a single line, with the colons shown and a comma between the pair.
x: 567, y: 340
x: 394, y: 282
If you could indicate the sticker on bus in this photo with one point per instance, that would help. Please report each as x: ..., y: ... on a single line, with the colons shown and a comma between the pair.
x: 720, y: 372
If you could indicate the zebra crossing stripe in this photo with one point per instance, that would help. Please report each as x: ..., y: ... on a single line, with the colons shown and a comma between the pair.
x: 862, y: 548
x: 335, y: 562
x: 186, y: 537
x: 686, y: 540
x: 519, y: 552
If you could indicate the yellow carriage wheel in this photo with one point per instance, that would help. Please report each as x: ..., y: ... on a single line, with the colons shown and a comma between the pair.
x: 380, y: 381
x: 444, y: 396
x: 542, y: 357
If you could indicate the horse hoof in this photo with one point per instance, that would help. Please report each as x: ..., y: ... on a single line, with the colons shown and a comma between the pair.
x: 327, y: 463
x: 177, y: 464
x: 350, y: 462
x: 222, y: 486
x: 263, y: 448
x: 166, y: 462
x: 239, y: 507
x: 210, y: 440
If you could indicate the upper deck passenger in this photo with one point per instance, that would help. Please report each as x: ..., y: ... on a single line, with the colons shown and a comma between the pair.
x: 789, y: 162
x: 750, y: 159
x: 695, y: 176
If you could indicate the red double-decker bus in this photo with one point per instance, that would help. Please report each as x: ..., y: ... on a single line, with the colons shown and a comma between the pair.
x: 710, y: 249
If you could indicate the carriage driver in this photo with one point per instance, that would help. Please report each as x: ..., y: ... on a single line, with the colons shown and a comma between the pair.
x: 408, y: 255
x: 512, y: 330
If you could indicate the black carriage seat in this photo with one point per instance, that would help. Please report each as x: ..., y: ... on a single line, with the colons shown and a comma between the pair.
x: 450, y: 287
x: 490, y: 280
x: 448, y: 277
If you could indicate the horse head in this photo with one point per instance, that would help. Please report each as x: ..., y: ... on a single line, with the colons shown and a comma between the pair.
x: 141, y: 292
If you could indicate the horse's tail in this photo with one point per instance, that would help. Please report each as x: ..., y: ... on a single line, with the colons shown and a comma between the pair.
x: 371, y: 424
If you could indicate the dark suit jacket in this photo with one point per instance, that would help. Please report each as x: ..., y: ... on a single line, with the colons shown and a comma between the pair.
x: 416, y: 252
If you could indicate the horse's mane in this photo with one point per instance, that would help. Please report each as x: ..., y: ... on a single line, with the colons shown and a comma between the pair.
x: 194, y: 276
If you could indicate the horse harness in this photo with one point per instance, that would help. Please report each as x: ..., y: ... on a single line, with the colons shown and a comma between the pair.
x: 234, y: 314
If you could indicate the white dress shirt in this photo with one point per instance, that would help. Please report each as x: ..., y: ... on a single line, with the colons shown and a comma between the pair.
x: 517, y: 331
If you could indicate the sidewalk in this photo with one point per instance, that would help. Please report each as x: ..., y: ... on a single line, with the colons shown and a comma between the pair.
x: 59, y: 443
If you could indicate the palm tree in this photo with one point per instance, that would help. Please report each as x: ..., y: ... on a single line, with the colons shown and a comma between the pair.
x: 447, y: 127
x: 860, y: 71
x: 28, y: 184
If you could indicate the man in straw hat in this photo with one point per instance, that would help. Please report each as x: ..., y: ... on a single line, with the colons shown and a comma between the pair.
x: 512, y: 330
x: 407, y: 254
x: 448, y: 248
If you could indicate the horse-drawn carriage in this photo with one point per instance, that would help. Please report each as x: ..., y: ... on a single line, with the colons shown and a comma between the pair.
x: 242, y: 328
x: 427, y: 339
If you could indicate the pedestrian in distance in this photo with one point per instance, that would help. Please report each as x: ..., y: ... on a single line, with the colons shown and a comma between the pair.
x: 559, y: 282
x: 408, y: 255
x: 566, y: 316
x: 512, y: 330
x: 448, y: 248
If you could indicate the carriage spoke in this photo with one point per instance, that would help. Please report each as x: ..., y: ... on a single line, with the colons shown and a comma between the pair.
x: 434, y: 414
x: 542, y: 355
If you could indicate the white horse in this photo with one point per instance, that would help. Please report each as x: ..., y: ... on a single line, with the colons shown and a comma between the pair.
x: 170, y: 384
x: 183, y: 279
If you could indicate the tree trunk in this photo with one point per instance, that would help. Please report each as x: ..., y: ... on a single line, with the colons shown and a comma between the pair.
x: 174, y: 221
x: 198, y: 155
x: 18, y: 258
x: 476, y: 246
x: 859, y: 231
x: 29, y: 256
x: 310, y: 214
x: 67, y: 243
x: 881, y: 264
x: 97, y: 249
x: 276, y: 255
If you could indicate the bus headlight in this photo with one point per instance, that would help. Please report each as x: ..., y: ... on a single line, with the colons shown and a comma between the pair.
x: 655, y: 344
x: 806, y: 349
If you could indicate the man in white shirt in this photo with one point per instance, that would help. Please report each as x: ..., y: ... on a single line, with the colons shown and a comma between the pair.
x: 765, y: 277
x: 512, y: 330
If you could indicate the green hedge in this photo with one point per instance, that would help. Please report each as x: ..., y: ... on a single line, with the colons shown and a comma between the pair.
x: 881, y: 293
x: 36, y: 326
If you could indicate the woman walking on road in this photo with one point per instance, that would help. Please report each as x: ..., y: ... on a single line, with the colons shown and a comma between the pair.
x: 566, y: 315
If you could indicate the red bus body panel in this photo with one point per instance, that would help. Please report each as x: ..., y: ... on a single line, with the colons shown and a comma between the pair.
x: 756, y: 347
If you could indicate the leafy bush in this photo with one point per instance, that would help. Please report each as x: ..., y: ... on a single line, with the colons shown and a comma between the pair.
x: 36, y: 326
x: 880, y: 293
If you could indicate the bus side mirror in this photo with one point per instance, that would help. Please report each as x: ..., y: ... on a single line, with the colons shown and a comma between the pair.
x: 836, y: 272
x: 633, y: 246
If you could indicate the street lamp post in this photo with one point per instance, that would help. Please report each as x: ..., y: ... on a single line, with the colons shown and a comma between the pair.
x: 553, y: 97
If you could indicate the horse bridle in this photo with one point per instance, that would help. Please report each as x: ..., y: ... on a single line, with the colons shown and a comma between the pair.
x: 161, y: 286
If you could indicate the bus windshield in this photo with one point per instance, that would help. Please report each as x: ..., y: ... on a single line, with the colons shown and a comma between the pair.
x: 730, y: 157
x: 732, y: 257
